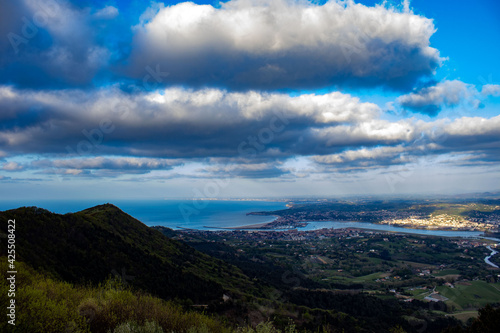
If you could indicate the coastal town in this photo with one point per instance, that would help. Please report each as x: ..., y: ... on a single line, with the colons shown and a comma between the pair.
x: 297, y: 235
x: 464, y: 217
x: 443, y: 222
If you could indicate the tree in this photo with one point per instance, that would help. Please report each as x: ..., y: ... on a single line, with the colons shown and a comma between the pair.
x: 487, y: 322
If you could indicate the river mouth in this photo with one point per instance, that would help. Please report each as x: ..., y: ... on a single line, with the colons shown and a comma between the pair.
x: 316, y: 225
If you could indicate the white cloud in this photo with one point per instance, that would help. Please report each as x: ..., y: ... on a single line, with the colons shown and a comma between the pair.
x: 475, y: 126
x: 287, y: 44
x: 491, y: 89
x: 368, y: 133
x: 12, y: 166
x: 106, y: 13
x: 121, y: 163
x: 444, y: 94
x: 364, y: 154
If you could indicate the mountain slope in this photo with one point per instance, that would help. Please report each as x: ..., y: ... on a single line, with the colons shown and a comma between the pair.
x: 95, y: 243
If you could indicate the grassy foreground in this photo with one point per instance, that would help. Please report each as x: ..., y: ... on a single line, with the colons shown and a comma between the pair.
x: 46, y: 305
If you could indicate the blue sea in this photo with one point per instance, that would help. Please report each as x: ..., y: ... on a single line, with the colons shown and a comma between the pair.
x: 204, y: 215
x: 214, y: 215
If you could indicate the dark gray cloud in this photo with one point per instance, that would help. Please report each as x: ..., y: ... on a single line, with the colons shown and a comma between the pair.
x: 5, y: 179
x: 99, y: 167
x: 98, y: 163
x: 53, y: 43
x: 178, y: 123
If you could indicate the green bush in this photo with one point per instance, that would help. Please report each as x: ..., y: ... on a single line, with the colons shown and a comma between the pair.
x: 267, y: 327
x: 42, y: 305
x: 46, y: 305
x: 131, y: 327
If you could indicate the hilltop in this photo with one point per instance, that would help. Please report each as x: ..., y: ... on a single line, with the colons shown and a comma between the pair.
x: 103, y: 241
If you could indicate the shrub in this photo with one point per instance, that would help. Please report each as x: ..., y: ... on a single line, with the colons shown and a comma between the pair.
x: 46, y: 305
x: 132, y: 327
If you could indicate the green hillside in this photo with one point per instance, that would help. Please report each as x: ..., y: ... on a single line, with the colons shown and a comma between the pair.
x: 101, y: 270
x: 91, y: 245
x: 47, y: 305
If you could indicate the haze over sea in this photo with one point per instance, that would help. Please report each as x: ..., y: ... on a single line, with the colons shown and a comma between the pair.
x: 171, y: 213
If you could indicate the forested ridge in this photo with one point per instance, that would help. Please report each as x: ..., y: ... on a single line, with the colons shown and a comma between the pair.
x: 101, y: 270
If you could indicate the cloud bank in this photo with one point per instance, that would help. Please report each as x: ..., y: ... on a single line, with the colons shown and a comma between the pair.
x: 243, y: 45
x: 243, y: 134
x: 173, y: 123
x: 251, y: 44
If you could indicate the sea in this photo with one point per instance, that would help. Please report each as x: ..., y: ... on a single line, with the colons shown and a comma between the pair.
x: 175, y: 214
x: 216, y: 215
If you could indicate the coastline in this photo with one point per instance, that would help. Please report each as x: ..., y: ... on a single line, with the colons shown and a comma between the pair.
x: 256, y: 226
x: 402, y: 226
x: 382, y: 228
x: 253, y: 226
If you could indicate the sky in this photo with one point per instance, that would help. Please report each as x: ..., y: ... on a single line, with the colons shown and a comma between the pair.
x: 248, y: 98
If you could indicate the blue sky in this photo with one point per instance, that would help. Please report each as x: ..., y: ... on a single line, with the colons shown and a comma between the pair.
x: 269, y: 98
